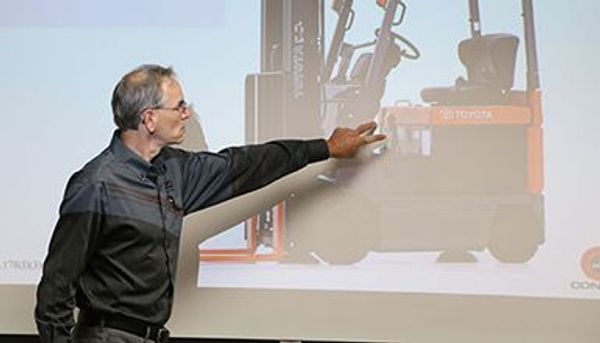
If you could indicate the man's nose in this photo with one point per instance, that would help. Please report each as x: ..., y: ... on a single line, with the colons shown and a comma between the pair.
x: 186, y: 113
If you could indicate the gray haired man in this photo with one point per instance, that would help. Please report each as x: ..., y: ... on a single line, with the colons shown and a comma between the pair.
x: 113, y: 252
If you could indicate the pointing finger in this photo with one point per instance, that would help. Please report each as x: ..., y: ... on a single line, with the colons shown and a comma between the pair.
x: 366, y: 128
x: 373, y: 138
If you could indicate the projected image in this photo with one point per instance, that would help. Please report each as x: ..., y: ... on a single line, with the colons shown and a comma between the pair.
x: 461, y: 171
x: 457, y: 189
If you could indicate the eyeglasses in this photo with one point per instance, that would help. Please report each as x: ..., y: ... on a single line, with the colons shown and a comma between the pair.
x: 181, y: 107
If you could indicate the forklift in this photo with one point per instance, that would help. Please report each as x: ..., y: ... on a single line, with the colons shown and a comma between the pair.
x: 461, y: 172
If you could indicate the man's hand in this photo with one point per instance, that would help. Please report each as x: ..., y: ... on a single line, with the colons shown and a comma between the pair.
x: 345, y: 142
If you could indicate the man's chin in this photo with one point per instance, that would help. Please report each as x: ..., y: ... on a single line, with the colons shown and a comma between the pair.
x: 177, y: 140
x: 180, y: 139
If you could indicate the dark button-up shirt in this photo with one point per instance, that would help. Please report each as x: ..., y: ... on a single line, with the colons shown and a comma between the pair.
x: 114, y: 248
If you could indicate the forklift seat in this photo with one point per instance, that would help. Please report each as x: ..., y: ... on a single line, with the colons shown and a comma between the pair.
x: 490, y: 63
x: 360, y: 68
x: 342, y: 88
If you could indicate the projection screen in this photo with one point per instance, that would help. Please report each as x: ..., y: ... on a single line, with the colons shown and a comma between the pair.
x: 473, y: 222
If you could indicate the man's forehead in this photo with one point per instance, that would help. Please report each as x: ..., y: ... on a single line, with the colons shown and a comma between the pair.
x: 171, y: 88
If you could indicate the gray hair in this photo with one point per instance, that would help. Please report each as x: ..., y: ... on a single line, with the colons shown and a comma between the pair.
x: 137, y: 91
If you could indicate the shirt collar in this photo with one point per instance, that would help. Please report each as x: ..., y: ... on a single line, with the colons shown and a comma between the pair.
x: 133, y: 160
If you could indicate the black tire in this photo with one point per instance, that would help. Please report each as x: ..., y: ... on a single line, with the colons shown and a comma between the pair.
x: 515, y: 235
x: 349, y: 254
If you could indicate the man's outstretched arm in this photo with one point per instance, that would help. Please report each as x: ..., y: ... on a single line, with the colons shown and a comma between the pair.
x: 213, y: 178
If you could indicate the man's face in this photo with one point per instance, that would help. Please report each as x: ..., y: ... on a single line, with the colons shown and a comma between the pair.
x: 171, y: 117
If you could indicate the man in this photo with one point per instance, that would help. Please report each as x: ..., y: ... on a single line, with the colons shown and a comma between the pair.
x: 113, y: 253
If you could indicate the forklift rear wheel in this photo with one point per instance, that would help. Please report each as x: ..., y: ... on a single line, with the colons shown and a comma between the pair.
x: 515, y: 235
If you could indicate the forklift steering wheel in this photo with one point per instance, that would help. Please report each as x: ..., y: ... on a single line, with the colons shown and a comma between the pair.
x: 412, y: 53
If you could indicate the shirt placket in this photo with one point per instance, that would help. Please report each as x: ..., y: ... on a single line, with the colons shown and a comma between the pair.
x: 161, y: 197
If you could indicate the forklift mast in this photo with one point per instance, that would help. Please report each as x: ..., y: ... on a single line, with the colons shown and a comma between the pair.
x: 289, y: 97
x: 292, y: 57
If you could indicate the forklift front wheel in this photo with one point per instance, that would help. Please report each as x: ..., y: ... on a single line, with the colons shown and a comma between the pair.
x: 349, y: 243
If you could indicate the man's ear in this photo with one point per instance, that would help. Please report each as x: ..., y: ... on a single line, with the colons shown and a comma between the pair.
x: 149, y: 120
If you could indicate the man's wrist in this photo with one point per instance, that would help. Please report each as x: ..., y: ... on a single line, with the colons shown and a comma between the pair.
x: 318, y: 150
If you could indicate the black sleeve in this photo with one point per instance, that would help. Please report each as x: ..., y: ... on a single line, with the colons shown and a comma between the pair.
x: 209, y: 178
x: 78, y: 225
